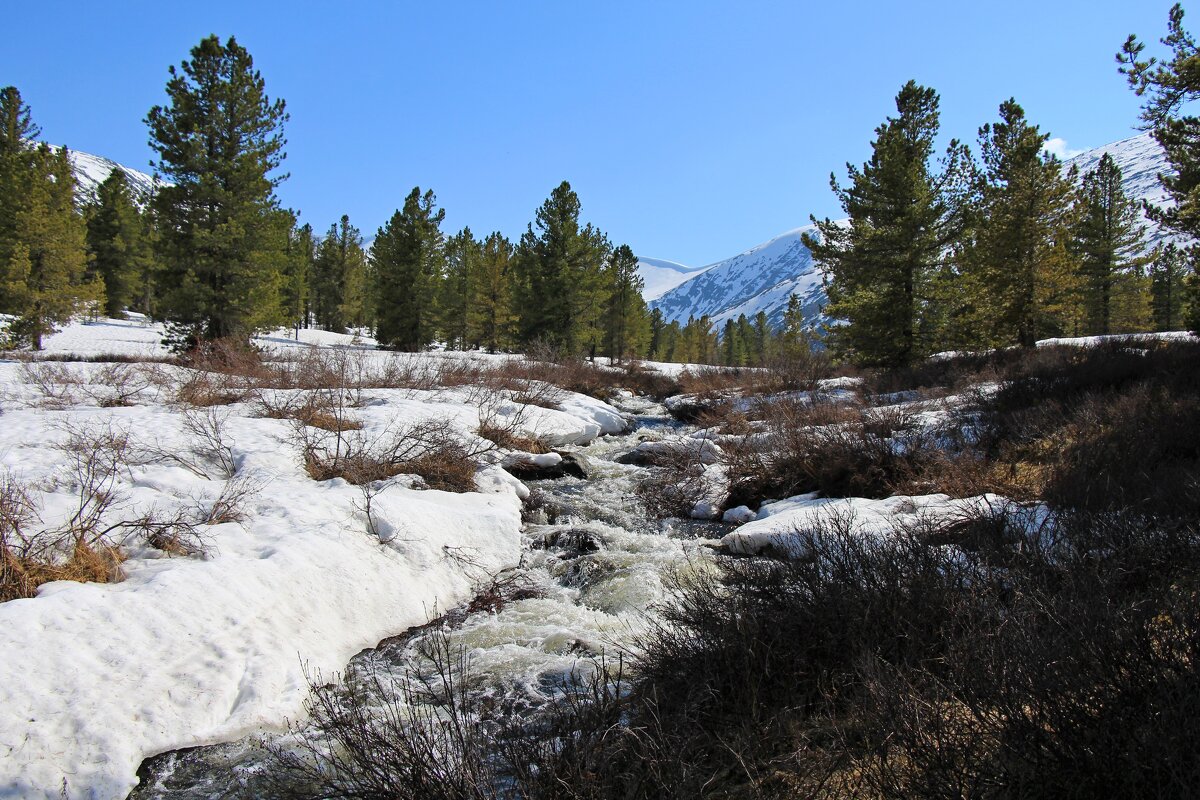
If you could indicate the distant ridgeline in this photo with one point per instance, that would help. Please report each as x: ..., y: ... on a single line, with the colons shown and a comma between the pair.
x: 763, y: 278
x: 91, y: 171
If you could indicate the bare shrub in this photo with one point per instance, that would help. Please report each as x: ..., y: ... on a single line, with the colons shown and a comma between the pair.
x: 413, y: 736
x: 17, y: 516
x: 120, y: 384
x: 230, y: 504
x: 833, y: 449
x: 58, y: 385
x: 112, y: 385
x: 209, y: 453
x: 87, y: 544
x: 430, y: 734
x: 328, y: 409
x: 430, y: 449
x: 222, y: 372
x: 504, y: 413
x: 675, y: 483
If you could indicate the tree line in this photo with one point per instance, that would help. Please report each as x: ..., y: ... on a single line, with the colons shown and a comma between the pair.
x: 963, y: 252
x: 211, y: 251
x: 1010, y: 247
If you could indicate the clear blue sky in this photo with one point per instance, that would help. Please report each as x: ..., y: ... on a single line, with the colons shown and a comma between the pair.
x: 691, y: 130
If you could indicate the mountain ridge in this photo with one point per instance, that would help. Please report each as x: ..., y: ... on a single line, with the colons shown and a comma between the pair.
x: 763, y: 277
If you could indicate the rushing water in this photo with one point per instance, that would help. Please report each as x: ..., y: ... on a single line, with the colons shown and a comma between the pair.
x: 594, y: 570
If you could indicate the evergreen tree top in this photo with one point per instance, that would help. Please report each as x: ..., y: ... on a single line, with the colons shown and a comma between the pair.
x: 16, y: 121
x: 220, y: 121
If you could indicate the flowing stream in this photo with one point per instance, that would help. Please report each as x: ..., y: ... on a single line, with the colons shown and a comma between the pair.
x: 593, y: 570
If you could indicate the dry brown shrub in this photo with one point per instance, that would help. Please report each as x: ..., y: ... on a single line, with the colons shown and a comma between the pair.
x: 86, y: 546
x: 430, y: 449
x: 505, y: 438
x: 325, y: 409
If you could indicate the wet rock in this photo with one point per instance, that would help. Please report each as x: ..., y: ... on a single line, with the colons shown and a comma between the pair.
x: 637, y: 458
x: 573, y: 542
x: 548, y: 466
x: 576, y: 465
x: 691, y: 449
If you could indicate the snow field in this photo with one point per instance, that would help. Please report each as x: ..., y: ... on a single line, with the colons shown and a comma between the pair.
x: 189, y: 650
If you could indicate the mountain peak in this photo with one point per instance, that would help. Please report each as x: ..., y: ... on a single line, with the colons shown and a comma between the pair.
x: 764, y: 277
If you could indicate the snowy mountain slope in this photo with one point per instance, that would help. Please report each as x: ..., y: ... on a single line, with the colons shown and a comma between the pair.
x: 761, y: 278
x: 92, y: 170
x: 764, y: 277
x: 660, y: 275
x: 1141, y: 160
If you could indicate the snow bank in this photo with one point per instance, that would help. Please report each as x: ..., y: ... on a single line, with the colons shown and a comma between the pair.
x: 191, y: 651
x: 1131, y: 338
x: 782, y: 528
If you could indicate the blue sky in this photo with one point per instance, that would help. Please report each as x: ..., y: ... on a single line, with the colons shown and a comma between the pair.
x: 691, y: 131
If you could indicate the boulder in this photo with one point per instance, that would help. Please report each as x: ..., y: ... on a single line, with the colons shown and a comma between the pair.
x: 547, y: 466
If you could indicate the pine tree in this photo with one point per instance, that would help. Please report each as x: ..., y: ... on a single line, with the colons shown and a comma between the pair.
x: 731, y: 352
x: 218, y: 142
x: 117, y: 245
x: 299, y: 255
x: 18, y: 171
x: 340, y: 279
x: 762, y: 338
x: 1168, y: 86
x: 1109, y: 242
x: 1020, y: 266
x: 627, y: 321
x: 1168, y: 276
x: 463, y: 253
x: 795, y: 337
x: 657, y: 325
x: 43, y: 277
x: 408, y: 257
x: 560, y: 289
x: 879, y: 266
x: 490, y: 318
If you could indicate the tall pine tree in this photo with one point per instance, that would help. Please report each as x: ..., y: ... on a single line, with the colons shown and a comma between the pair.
x: 560, y: 292
x: 1168, y: 287
x: 43, y: 277
x: 490, y: 317
x: 627, y: 321
x: 1111, y: 250
x: 339, y: 278
x: 119, y: 247
x: 879, y: 266
x: 1169, y: 85
x: 463, y: 253
x: 1020, y: 267
x: 409, y: 258
x: 219, y: 142
x: 42, y: 252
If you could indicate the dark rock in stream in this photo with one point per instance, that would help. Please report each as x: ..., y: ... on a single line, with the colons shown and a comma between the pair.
x: 573, y: 541
x: 637, y: 458
x: 574, y: 465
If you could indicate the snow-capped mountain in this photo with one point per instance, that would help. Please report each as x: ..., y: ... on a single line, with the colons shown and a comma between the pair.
x: 1141, y: 159
x: 659, y: 275
x: 760, y: 279
x: 91, y: 171
x: 763, y: 278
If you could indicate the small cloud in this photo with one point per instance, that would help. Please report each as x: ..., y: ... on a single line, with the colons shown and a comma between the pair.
x: 1058, y: 147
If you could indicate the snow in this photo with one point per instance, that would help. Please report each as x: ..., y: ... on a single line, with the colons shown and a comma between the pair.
x: 1118, y: 338
x: 189, y: 650
x: 782, y: 528
x: 659, y: 275
x: 91, y: 171
x: 761, y: 278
